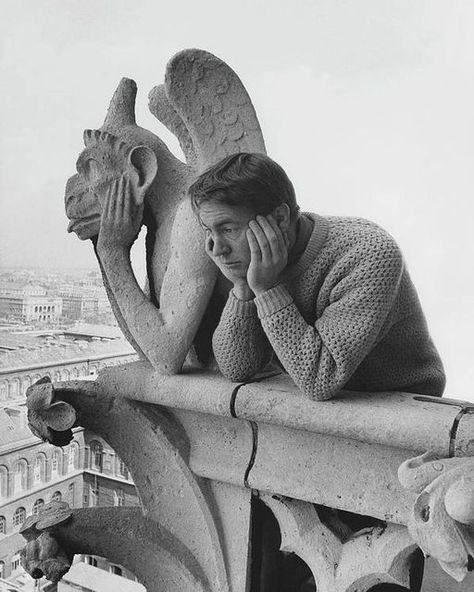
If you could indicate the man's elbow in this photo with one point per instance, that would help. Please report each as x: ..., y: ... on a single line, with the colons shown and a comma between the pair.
x: 236, y: 374
x: 321, y: 395
x: 317, y: 392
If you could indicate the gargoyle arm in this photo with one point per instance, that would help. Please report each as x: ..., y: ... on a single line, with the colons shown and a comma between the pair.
x: 113, y: 304
x: 165, y: 334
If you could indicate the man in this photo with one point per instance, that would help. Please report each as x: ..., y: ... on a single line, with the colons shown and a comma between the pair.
x: 330, y: 296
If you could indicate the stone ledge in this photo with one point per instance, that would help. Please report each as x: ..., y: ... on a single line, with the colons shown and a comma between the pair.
x: 402, y: 420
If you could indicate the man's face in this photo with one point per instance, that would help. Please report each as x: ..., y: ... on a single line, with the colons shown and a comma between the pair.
x: 226, y: 239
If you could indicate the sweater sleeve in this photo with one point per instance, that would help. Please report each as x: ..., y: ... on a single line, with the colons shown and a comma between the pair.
x: 239, y: 343
x: 321, y: 358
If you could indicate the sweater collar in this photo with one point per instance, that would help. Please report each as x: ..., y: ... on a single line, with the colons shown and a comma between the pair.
x: 315, y: 244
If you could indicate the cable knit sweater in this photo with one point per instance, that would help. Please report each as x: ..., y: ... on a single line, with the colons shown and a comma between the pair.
x: 346, y: 314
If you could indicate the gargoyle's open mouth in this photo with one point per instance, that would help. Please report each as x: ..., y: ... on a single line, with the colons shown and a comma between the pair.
x: 77, y: 223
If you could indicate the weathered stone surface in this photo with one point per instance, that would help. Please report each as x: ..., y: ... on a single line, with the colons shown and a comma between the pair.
x: 219, y: 448
x: 130, y: 539
x: 195, y: 390
x: 400, y: 420
x: 336, y: 472
x: 463, y: 432
x: 168, y: 451
x: 42, y: 556
x: 49, y: 419
x: 442, y: 519
x: 191, y: 438
x: 373, y: 556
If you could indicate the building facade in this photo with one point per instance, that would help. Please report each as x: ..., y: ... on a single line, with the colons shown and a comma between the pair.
x: 15, y: 381
x: 85, y: 473
x: 24, y: 308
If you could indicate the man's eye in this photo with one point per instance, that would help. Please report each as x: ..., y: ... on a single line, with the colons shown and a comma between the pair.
x: 230, y: 232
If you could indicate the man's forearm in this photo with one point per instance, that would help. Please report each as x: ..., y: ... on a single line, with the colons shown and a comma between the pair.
x: 239, y: 343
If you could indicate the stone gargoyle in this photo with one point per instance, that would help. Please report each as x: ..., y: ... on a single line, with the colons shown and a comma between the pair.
x: 204, y: 103
x: 42, y: 555
x: 442, y: 519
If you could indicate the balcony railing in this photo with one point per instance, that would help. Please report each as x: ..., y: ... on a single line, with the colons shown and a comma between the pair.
x: 200, y: 448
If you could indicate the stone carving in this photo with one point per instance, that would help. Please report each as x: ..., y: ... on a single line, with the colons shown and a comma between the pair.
x: 42, y: 555
x: 186, y: 522
x: 48, y: 418
x: 355, y: 564
x: 204, y: 103
x: 145, y: 548
x: 442, y: 520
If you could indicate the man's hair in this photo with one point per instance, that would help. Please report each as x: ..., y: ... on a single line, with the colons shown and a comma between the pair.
x: 251, y: 180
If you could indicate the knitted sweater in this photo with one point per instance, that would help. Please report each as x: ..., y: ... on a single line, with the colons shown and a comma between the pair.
x: 346, y: 314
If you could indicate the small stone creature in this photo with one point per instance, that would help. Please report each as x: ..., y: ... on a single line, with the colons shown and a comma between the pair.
x: 49, y: 419
x: 42, y: 555
x: 442, y: 520
x: 126, y: 177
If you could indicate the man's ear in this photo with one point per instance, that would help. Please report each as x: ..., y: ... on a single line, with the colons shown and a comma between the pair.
x: 282, y: 216
x: 142, y: 160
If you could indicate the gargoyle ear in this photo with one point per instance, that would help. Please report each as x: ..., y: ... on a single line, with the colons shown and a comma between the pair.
x: 143, y: 160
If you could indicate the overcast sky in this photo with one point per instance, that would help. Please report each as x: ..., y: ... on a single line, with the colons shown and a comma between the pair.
x: 368, y: 104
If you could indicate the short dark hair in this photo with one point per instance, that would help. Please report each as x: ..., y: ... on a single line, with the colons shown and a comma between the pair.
x: 246, y: 179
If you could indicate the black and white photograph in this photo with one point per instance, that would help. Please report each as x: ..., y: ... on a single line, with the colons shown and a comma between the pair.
x: 236, y: 311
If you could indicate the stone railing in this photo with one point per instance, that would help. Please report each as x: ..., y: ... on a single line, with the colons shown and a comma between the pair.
x: 201, y: 450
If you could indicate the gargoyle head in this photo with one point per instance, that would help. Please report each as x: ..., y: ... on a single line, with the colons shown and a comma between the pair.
x: 49, y: 418
x: 109, y: 152
x: 442, y: 520
x: 42, y: 555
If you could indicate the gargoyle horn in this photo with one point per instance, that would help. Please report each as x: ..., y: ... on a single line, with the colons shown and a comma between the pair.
x: 122, y: 106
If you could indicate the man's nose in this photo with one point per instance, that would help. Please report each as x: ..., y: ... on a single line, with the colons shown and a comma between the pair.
x: 220, y: 247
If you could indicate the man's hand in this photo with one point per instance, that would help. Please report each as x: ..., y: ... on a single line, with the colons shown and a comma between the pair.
x: 269, y: 253
x: 121, y: 219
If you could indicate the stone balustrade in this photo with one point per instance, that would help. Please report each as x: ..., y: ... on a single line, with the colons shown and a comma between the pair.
x: 200, y: 449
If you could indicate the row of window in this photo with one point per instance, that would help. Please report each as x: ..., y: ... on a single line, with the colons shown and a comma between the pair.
x: 97, y: 460
x: 19, y: 483
x: 115, y: 569
x: 19, y: 515
x: 14, y: 388
x: 44, y: 308
x: 44, y: 317
x: 91, y: 499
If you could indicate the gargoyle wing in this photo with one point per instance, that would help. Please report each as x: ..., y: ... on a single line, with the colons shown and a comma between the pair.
x: 163, y: 110
x: 212, y: 103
